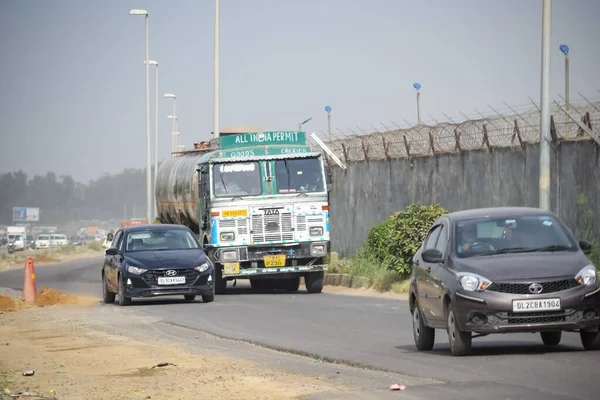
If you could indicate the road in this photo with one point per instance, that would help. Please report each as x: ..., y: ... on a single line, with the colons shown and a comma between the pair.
x: 367, y: 331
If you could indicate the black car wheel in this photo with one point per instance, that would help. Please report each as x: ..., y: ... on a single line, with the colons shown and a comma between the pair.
x: 590, y: 340
x: 551, y: 338
x: 107, y: 295
x: 189, y: 297
x: 424, y: 335
x: 123, y: 300
x: 460, y: 342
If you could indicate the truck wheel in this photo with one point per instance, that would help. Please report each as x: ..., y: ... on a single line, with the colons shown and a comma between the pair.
x: 220, y: 283
x: 292, y: 285
x: 256, y: 284
x: 314, y: 282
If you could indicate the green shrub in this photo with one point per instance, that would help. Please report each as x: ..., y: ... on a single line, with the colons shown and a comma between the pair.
x: 409, y: 230
x: 587, y: 218
x: 96, y: 246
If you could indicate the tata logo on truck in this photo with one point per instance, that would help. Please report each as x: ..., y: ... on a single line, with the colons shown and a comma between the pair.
x: 272, y: 211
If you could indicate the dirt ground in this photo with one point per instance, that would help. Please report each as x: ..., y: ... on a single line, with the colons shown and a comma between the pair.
x: 42, y: 257
x: 73, y: 362
x: 341, y: 290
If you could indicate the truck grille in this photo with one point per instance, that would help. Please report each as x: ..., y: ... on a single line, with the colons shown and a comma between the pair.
x: 241, y: 225
x: 523, y: 288
x: 272, y: 228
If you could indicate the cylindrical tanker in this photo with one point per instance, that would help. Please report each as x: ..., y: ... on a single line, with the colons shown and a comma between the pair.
x: 177, y: 190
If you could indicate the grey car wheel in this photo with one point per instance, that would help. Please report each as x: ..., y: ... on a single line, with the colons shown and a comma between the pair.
x: 551, y: 338
x: 424, y: 336
x: 590, y: 340
x: 460, y: 342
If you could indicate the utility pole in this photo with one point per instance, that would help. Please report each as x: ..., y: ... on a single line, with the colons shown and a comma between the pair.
x: 545, y: 139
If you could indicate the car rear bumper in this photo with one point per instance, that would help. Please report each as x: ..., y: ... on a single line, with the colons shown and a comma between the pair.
x: 495, y: 314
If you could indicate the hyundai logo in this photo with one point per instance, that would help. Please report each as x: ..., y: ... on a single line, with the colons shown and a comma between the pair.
x: 535, y: 288
x: 171, y: 272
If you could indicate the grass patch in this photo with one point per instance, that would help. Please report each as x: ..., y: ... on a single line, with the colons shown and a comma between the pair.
x: 55, y: 254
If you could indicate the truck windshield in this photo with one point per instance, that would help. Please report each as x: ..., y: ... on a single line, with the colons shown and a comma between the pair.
x: 237, y: 179
x: 299, y: 175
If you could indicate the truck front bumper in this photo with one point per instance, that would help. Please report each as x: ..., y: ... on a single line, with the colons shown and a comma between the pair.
x: 292, y: 270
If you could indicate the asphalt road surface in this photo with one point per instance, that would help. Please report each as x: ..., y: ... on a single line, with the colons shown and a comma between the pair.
x: 367, y: 331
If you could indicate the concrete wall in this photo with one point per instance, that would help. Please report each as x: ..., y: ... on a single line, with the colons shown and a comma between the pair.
x: 369, y: 192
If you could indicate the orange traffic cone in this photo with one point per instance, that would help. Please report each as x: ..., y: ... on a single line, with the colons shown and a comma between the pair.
x: 29, y: 287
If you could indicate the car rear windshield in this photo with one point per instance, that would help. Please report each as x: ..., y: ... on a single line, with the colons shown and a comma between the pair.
x: 161, y: 239
x: 44, y: 237
x: 513, y: 234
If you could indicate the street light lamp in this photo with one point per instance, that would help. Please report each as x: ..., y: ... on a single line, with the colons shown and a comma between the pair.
x: 148, y: 152
x: 417, y: 86
x: 155, y: 208
x: 565, y: 50
x: 302, y: 123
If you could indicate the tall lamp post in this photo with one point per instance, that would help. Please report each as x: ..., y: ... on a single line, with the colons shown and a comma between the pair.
x: 545, y: 139
x: 148, y: 152
x: 328, y: 111
x: 172, y: 96
x: 565, y: 50
x: 155, y: 208
x: 175, y: 133
x: 417, y: 87
x: 302, y: 123
x: 216, y: 78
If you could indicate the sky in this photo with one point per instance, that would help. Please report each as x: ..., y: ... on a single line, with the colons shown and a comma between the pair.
x: 73, y: 77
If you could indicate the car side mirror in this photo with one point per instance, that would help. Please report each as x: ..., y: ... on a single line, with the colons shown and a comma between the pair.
x: 432, y: 256
x: 112, y: 251
x: 585, y: 246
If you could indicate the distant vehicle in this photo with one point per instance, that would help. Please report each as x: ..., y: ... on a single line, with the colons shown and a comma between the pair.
x: 59, y: 240
x: 43, y: 242
x: 503, y: 270
x: 133, y: 221
x: 76, y: 240
x: 156, y: 260
x: 17, y: 236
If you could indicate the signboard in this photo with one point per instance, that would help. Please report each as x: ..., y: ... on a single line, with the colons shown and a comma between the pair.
x: 264, y: 151
x: 262, y: 138
x: 26, y: 214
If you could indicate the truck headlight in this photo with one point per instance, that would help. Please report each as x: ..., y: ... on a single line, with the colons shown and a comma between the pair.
x: 229, y: 256
x: 227, y: 236
x: 135, y: 270
x: 318, y: 250
x: 316, y: 230
x: 587, y: 276
x: 473, y: 282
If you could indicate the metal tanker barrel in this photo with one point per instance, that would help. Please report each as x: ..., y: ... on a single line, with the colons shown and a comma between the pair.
x: 177, y: 190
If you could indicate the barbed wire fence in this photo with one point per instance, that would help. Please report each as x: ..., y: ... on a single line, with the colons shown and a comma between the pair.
x: 505, y: 127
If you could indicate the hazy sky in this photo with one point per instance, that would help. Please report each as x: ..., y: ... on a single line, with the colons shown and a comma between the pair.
x: 72, y: 80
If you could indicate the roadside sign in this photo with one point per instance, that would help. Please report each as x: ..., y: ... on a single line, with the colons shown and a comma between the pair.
x: 262, y: 138
x: 26, y: 214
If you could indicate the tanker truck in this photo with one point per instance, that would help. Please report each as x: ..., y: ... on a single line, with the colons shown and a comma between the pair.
x: 259, y: 204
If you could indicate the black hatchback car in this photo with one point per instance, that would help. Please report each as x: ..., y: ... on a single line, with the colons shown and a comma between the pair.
x: 503, y: 270
x: 156, y: 260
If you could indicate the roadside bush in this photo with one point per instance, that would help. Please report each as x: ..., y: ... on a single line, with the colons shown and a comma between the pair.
x: 587, y: 218
x: 95, y: 246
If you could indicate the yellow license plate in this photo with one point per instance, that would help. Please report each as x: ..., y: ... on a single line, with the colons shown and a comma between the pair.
x: 275, y: 261
x: 234, y: 213
x: 231, y: 268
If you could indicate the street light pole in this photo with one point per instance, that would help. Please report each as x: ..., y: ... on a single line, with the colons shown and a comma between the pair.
x: 417, y: 86
x: 174, y: 133
x: 172, y: 96
x: 155, y: 206
x: 565, y: 50
x: 216, y: 83
x: 544, y: 194
x: 328, y: 110
x: 148, y: 151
